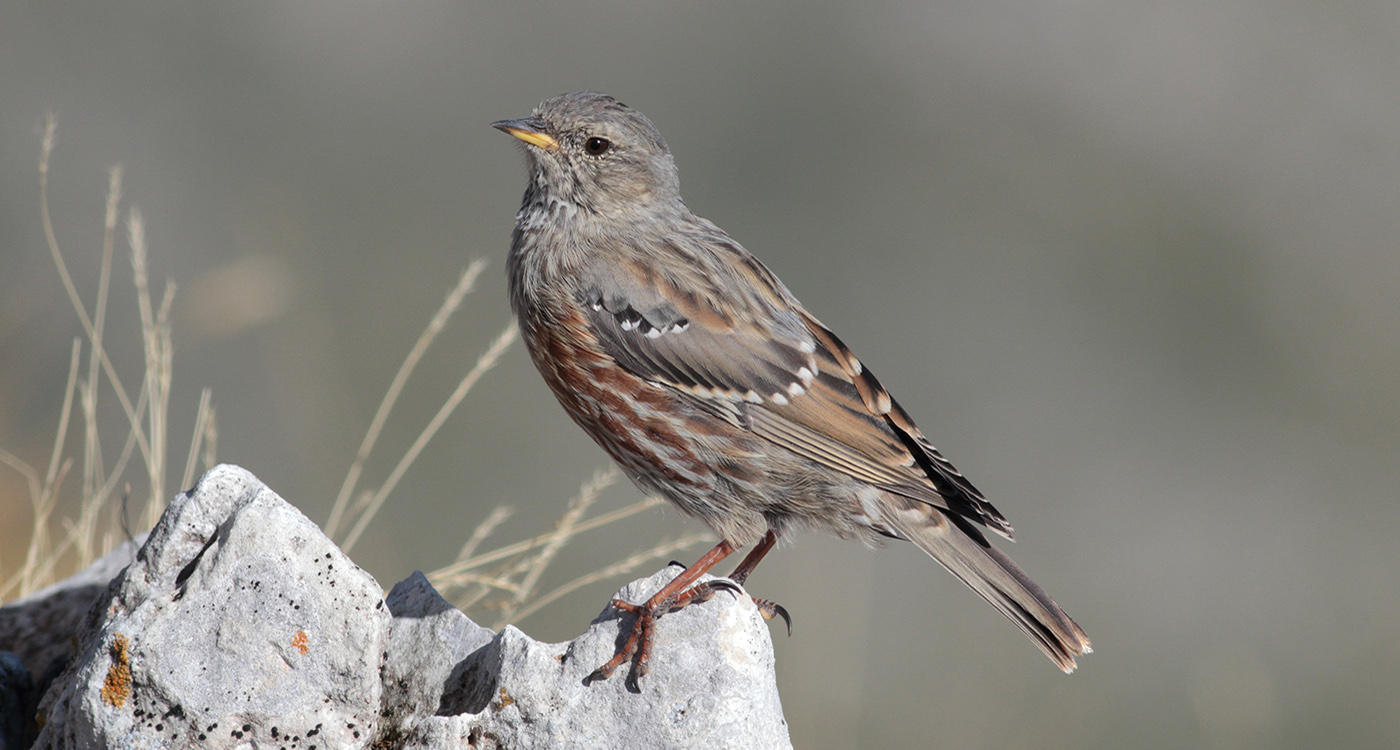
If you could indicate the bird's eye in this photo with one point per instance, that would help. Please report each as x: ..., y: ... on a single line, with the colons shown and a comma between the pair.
x: 597, y: 146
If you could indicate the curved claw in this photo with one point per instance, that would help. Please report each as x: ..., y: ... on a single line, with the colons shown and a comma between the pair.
x: 723, y: 583
x: 769, y: 610
x: 700, y: 592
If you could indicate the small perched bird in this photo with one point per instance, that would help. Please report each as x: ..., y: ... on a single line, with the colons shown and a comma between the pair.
x: 697, y: 370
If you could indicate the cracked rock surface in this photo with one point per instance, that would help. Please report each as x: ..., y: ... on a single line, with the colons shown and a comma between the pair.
x: 240, y: 625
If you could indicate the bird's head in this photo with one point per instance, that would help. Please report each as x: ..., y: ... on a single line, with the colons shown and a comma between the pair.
x: 593, y: 151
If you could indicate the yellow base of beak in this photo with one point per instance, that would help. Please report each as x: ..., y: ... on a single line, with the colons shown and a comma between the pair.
x: 543, y: 140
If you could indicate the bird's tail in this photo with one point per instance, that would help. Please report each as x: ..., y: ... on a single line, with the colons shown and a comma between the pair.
x: 995, y: 577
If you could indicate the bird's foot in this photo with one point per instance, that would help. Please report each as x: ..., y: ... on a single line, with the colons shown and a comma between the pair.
x: 637, y: 647
x: 703, y: 592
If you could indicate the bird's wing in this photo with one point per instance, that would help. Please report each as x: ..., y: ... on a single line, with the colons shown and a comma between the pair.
x: 755, y: 358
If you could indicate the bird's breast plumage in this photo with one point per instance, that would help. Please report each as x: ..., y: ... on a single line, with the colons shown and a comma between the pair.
x: 630, y: 418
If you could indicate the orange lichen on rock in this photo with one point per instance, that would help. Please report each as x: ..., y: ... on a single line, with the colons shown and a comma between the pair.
x: 299, y: 640
x: 117, y: 687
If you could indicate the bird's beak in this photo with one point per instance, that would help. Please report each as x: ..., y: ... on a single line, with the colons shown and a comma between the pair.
x: 528, y: 129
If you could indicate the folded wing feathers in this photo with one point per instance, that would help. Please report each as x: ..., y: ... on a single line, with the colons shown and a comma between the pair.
x: 807, y: 392
x: 958, y: 493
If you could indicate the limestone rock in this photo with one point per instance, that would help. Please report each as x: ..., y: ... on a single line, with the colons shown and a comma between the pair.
x: 239, y: 625
x: 38, y: 635
x: 711, y: 684
x: 428, y: 640
x: 40, y: 627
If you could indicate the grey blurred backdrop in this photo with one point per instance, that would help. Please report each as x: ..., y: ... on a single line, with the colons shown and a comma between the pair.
x: 1133, y: 268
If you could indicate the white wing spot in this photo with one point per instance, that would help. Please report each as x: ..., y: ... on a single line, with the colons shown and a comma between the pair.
x: 753, y: 398
x: 805, y: 375
x: 654, y: 333
x: 796, y: 389
x: 882, y: 403
x: 807, y: 347
x: 779, y: 399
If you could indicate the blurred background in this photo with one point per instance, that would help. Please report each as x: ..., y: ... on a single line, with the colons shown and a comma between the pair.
x: 1132, y: 267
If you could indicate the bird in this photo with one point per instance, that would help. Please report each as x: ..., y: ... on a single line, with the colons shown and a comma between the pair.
x: 701, y: 375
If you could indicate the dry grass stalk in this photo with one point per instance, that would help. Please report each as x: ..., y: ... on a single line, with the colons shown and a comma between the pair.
x: 621, y: 567
x: 92, y: 447
x: 510, y: 586
x: 564, y: 530
x: 201, y: 431
x: 211, y: 437
x: 86, y: 536
x: 155, y: 335
x: 484, y: 529
x: 465, y: 284
x: 132, y: 415
x: 510, y: 551
x: 43, y: 493
x: 484, y: 364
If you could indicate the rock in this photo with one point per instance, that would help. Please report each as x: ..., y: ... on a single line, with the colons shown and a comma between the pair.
x: 239, y: 625
x: 40, y: 627
x: 38, y: 637
x: 16, y: 703
x: 428, y: 640
x: 711, y: 683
